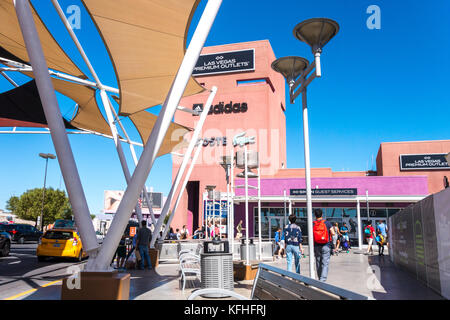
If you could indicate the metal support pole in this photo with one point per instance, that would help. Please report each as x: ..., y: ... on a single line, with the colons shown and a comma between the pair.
x: 229, y: 227
x: 57, y: 129
x: 232, y: 200
x: 358, y: 216
x: 312, y: 262
x: 156, y: 138
x: 180, y: 194
x: 135, y: 160
x: 105, y: 100
x: 43, y: 196
x: 284, y: 204
x: 9, y: 79
x: 183, y: 165
x: 213, y: 212
x: 247, y: 248
x: 123, y: 161
x: 259, y: 211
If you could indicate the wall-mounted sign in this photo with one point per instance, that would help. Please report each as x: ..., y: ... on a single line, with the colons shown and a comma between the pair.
x: 325, y: 192
x: 225, y: 62
x: 223, y: 107
x: 214, y: 141
x: 434, y: 161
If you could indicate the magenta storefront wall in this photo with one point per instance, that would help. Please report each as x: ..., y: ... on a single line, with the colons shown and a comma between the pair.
x: 376, y: 186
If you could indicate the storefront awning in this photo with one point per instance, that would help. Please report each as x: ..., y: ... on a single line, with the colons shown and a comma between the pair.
x: 146, y: 42
x: 12, y: 41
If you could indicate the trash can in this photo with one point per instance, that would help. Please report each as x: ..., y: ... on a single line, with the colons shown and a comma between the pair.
x: 216, y: 267
x: 251, y: 250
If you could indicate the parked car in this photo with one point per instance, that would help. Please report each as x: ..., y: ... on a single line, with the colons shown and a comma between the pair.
x: 64, y: 243
x: 5, y: 243
x: 100, y: 236
x: 22, y: 232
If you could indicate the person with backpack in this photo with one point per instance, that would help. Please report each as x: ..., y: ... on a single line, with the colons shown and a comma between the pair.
x: 293, y: 240
x: 380, y: 239
x: 369, y: 233
x: 345, y: 238
x: 383, y: 229
x: 322, y: 233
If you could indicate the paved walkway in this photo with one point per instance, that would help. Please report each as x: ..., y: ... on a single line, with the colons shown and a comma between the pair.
x: 373, y: 276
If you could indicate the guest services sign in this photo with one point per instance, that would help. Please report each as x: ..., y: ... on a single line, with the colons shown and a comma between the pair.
x: 434, y: 161
x: 326, y: 192
x: 225, y: 62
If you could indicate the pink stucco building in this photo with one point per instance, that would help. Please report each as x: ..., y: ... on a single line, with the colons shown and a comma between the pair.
x: 251, y: 98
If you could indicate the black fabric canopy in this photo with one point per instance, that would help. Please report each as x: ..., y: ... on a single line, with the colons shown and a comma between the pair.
x: 7, y: 55
x: 23, y: 104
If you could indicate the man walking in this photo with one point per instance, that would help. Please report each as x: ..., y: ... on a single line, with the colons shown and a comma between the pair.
x: 323, y: 233
x: 293, y: 240
x: 144, y: 236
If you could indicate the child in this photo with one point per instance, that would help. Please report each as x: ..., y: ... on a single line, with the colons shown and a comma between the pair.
x: 380, y: 242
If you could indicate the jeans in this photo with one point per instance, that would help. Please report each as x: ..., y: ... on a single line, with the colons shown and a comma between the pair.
x: 322, y: 255
x: 143, y: 251
x: 293, y: 250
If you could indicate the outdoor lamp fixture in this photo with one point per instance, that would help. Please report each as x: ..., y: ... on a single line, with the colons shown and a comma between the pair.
x: 250, y: 174
x: 210, y: 190
x: 316, y: 33
x: 291, y: 68
x: 46, y: 156
x: 226, y: 164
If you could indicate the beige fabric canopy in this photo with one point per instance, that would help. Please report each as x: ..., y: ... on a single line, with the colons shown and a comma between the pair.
x: 11, y: 39
x: 145, y: 121
x: 146, y: 41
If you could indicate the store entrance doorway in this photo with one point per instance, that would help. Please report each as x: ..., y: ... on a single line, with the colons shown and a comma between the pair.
x: 274, y: 224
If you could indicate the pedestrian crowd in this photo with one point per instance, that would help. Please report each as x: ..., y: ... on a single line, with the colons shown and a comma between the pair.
x: 329, y: 239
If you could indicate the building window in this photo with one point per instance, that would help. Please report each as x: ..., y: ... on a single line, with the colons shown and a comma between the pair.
x: 274, y: 218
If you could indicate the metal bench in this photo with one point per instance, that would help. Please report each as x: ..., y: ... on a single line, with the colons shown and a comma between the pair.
x: 189, y: 265
x: 273, y: 283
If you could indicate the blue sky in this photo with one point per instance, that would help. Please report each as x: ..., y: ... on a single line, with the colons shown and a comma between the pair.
x: 378, y: 86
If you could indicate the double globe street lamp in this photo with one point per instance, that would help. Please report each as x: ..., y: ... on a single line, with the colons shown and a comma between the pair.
x: 316, y: 33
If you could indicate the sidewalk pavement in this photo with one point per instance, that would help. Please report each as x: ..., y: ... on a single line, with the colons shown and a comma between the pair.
x: 370, y: 275
x: 374, y: 276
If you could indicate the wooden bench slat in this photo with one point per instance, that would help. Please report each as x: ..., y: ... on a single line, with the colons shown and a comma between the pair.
x: 302, y: 290
x: 261, y: 294
x: 276, y: 291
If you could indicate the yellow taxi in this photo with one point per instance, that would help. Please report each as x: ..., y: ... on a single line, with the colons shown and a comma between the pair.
x: 65, y: 243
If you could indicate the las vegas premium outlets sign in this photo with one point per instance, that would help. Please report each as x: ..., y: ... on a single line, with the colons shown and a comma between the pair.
x: 423, y: 162
x: 225, y: 62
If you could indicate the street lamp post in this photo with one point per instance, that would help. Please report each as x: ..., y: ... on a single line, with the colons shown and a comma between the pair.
x: 46, y: 156
x: 210, y: 190
x: 316, y: 33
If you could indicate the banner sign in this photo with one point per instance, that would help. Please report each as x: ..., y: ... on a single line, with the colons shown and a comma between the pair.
x: 423, y: 161
x: 225, y: 62
x: 325, y: 192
